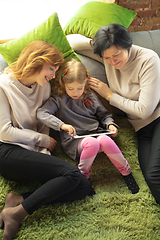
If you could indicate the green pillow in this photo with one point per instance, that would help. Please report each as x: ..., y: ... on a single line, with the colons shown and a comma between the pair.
x: 49, y: 31
x: 93, y: 15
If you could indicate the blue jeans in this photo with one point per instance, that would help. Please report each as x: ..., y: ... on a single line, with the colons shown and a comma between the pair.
x: 61, y: 180
x: 149, y: 156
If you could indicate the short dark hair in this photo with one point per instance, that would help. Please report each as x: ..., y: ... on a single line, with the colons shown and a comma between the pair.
x: 113, y: 34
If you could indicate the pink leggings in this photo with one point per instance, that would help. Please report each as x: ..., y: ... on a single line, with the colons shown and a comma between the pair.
x: 88, y: 148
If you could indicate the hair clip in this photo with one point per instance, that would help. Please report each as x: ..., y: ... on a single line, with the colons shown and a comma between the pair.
x: 64, y: 72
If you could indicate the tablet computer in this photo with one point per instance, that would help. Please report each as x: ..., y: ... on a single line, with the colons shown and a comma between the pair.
x: 94, y: 133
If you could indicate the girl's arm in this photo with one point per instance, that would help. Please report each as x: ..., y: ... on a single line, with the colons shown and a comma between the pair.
x: 45, y: 115
x: 69, y: 129
x: 113, y: 128
x: 11, y: 134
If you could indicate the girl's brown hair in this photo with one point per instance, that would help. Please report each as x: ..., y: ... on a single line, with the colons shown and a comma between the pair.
x: 71, y: 71
x: 32, y: 59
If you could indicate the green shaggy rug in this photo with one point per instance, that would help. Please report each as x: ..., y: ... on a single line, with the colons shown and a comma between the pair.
x: 112, y: 214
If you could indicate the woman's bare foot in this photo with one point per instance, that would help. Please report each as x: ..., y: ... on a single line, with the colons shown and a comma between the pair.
x: 12, y: 218
x: 12, y: 200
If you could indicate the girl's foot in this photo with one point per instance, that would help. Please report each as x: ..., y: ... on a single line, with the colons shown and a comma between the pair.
x: 131, y: 183
x: 12, y: 218
x: 12, y: 200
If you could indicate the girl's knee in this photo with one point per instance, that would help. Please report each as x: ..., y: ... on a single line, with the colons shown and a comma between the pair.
x: 107, y: 143
x: 91, y: 144
x: 104, y: 138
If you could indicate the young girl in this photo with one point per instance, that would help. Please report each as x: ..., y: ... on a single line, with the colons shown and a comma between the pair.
x: 76, y: 110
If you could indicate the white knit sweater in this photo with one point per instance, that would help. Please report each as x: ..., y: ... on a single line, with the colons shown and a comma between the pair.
x: 136, y: 86
x: 18, y: 122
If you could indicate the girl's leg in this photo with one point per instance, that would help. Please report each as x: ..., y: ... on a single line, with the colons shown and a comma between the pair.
x: 149, y: 156
x: 108, y: 146
x: 87, y: 149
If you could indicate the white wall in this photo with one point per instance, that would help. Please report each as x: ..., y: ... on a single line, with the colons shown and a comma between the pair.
x: 19, y: 16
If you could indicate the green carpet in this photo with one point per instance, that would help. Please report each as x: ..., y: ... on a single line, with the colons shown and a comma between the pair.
x: 112, y: 214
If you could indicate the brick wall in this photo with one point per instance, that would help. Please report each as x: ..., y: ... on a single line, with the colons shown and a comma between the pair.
x: 148, y: 14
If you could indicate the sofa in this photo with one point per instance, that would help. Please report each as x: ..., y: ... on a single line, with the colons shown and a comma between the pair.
x: 94, y: 64
x: 147, y: 39
x: 80, y: 44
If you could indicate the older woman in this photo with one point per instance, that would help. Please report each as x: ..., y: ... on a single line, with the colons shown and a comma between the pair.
x: 133, y: 75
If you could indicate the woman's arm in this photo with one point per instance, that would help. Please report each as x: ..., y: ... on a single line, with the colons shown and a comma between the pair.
x: 11, y: 134
x: 100, y: 87
x: 148, y: 91
x: 83, y: 45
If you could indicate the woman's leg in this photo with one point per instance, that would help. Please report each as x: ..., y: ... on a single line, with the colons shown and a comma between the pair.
x: 59, y: 177
x: 149, y: 156
x: 87, y: 149
x: 108, y: 146
x: 12, y: 200
x: 12, y: 218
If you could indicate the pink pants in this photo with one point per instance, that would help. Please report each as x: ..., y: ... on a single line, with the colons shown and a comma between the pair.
x: 88, y: 148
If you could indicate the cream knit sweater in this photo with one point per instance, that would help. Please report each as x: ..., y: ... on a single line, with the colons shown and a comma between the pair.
x: 136, y: 86
x: 18, y: 122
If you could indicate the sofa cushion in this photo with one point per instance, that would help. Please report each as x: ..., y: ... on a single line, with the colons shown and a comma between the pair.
x: 49, y: 31
x: 95, y: 68
x: 93, y: 15
x: 147, y: 39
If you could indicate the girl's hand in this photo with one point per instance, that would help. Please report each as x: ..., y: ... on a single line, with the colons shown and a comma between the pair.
x: 69, y: 129
x: 52, y: 145
x: 113, y: 128
x: 100, y: 87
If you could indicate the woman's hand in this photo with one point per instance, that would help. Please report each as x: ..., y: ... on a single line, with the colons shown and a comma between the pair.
x: 113, y: 128
x: 100, y: 87
x: 69, y: 129
x: 52, y: 145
